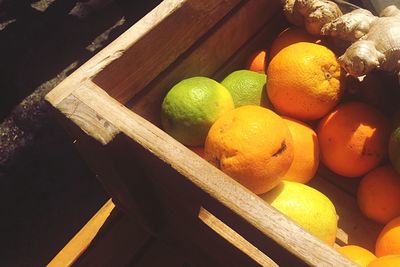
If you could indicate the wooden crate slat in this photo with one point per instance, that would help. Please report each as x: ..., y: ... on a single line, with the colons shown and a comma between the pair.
x: 355, y: 228
x: 117, y: 245
x: 81, y: 241
x: 234, y: 238
x: 175, y: 180
x: 207, y: 57
x: 129, y: 189
x: 147, y: 29
x: 160, y: 46
x: 210, y: 180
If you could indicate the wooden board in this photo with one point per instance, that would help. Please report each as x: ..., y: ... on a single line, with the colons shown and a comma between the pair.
x: 207, y: 57
x: 178, y: 181
x: 354, y: 227
x: 155, y: 48
x: 81, y: 241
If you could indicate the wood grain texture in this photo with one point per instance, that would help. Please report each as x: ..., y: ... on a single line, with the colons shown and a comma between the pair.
x: 113, y: 168
x: 234, y: 238
x: 160, y: 46
x: 81, y: 241
x: 354, y: 227
x: 209, y: 55
x: 87, y: 119
x: 182, y: 181
x: 212, y: 181
x: 144, y: 50
x: 117, y: 244
x: 262, y: 40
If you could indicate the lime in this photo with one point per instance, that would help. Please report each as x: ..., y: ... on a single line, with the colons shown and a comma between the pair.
x: 191, y: 107
x: 247, y: 88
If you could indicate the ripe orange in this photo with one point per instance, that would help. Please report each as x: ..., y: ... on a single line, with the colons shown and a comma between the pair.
x: 291, y: 36
x: 306, y: 152
x: 379, y: 194
x: 353, y: 139
x: 257, y: 61
x: 304, y: 81
x: 386, y: 261
x: 388, y: 241
x: 358, y: 254
x: 251, y: 144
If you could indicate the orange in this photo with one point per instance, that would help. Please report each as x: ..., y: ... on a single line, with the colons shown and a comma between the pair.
x: 379, y: 194
x: 253, y: 145
x: 291, y: 36
x: 388, y: 241
x: 257, y: 61
x: 306, y: 152
x: 304, y: 81
x: 386, y: 261
x: 353, y: 139
x: 358, y: 254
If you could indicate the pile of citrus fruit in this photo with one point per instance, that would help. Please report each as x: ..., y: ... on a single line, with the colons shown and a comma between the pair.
x: 270, y: 124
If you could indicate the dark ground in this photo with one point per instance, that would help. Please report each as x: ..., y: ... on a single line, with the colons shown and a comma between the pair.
x: 47, y: 192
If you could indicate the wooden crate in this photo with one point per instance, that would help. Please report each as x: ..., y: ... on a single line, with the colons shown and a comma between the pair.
x: 109, y: 238
x: 111, y: 105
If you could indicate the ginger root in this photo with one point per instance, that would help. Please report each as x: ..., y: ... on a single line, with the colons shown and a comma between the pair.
x: 312, y: 14
x: 375, y: 40
x: 351, y: 26
x: 379, y: 48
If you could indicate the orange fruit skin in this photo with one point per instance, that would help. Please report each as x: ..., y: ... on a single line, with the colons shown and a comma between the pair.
x: 251, y: 144
x: 257, y: 61
x: 306, y: 152
x: 378, y: 195
x: 353, y: 139
x: 386, y: 261
x: 358, y: 254
x: 388, y: 241
x: 304, y: 81
x: 291, y: 36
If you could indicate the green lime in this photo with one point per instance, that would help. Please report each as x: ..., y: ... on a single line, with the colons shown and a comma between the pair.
x: 247, y: 88
x: 394, y: 149
x: 191, y: 107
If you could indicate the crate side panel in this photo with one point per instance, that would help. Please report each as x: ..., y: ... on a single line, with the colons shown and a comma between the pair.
x: 210, y: 182
x: 208, y: 56
x: 147, y: 56
x: 354, y: 227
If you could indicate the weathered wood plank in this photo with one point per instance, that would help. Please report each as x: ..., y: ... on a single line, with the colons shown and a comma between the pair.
x: 161, y: 46
x: 112, y: 166
x: 117, y: 245
x: 212, y: 182
x: 355, y: 228
x: 143, y: 42
x: 81, y: 241
x: 208, y: 56
x: 234, y: 238
x: 87, y: 119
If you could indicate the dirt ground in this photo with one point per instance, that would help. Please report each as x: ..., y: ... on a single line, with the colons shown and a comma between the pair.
x: 47, y: 191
